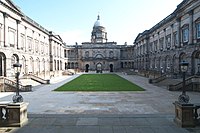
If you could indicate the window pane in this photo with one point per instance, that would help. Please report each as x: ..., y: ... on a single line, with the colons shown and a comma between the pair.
x: 185, y: 35
x: 198, y: 30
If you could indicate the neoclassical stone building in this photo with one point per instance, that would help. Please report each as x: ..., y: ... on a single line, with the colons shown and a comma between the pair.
x: 99, y: 54
x: 23, y: 40
x: 44, y: 54
x: 173, y: 39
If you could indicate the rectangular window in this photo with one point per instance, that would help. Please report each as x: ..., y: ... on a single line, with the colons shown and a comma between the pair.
x: 0, y: 33
x: 29, y: 42
x: 175, y: 37
x: 168, y: 41
x: 36, y: 46
x: 185, y: 36
x: 151, y: 47
x: 161, y: 41
x: 22, y: 40
x: 11, y: 37
x: 155, y: 46
x: 198, y: 30
x: 42, y: 47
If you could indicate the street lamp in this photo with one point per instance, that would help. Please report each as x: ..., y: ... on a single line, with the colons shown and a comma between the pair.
x: 17, y: 98
x: 183, y: 98
x: 161, y: 71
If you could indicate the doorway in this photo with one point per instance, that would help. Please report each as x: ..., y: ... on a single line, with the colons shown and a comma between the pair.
x: 87, y: 68
x: 111, y: 67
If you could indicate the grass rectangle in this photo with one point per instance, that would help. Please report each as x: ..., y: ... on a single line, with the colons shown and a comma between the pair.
x: 99, y: 82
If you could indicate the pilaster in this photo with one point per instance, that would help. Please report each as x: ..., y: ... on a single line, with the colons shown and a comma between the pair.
x: 191, y: 35
x: 5, y: 16
x: 179, y: 32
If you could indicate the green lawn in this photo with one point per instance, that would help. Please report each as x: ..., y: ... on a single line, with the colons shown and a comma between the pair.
x: 99, y: 82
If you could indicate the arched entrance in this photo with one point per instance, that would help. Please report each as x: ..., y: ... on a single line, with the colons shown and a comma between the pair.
x: 87, y: 67
x: 99, y: 68
x: 122, y: 65
x: 2, y: 64
x: 111, y: 67
x: 195, y: 62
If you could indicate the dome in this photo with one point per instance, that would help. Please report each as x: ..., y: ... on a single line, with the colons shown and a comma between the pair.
x: 98, y: 22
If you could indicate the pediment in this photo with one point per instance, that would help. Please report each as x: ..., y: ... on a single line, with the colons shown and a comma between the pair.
x: 58, y: 36
x: 11, y: 5
x: 99, y: 56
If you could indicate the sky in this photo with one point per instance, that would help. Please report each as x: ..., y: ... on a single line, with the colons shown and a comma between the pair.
x: 73, y: 20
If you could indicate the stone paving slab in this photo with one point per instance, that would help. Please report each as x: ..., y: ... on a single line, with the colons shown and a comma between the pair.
x: 100, y: 112
x: 101, y: 124
x: 154, y: 100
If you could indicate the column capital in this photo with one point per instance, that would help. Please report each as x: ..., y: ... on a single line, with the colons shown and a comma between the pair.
x: 191, y: 12
x: 178, y: 19
x: 18, y: 21
x: 6, y: 15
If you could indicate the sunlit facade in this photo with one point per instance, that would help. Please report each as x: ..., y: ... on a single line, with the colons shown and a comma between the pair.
x: 172, y: 40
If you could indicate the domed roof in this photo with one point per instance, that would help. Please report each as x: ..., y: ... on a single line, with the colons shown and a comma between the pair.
x: 98, y: 22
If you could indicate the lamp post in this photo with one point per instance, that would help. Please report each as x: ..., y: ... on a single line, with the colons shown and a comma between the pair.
x: 17, y: 98
x: 183, y: 98
x: 161, y: 71
x: 184, y: 111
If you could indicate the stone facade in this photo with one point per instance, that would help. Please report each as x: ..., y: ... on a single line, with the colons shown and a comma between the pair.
x: 172, y: 40
x: 99, y: 54
x: 43, y: 53
x: 23, y: 40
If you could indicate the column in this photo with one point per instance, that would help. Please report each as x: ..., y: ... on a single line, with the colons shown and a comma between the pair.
x: 33, y: 42
x: 25, y: 36
x: 164, y: 41
x: 179, y: 32
x: 172, y: 40
x: 18, y: 35
x: 191, y: 35
x: 5, y: 15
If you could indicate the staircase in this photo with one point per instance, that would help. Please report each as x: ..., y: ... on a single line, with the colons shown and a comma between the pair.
x: 168, y: 81
x: 10, y: 86
x: 192, y: 84
x: 37, y: 79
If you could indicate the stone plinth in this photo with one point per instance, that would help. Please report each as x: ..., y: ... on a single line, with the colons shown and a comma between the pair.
x: 17, y: 114
x: 184, y: 114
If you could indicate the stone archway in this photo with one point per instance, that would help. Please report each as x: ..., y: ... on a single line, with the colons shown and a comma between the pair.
x: 99, y: 68
x: 122, y: 65
x: 87, y: 67
x: 195, y: 61
x: 111, y: 67
x: 2, y: 64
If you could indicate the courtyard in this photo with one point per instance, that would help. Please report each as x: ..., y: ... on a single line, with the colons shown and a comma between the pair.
x: 89, y: 109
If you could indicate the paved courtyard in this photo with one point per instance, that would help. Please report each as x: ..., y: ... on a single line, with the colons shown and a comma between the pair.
x: 101, y: 111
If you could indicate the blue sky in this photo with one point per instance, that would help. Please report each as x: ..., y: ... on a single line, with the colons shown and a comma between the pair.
x: 73, y: 20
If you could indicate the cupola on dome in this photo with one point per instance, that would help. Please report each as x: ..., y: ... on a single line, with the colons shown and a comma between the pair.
x: 98, y: 22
